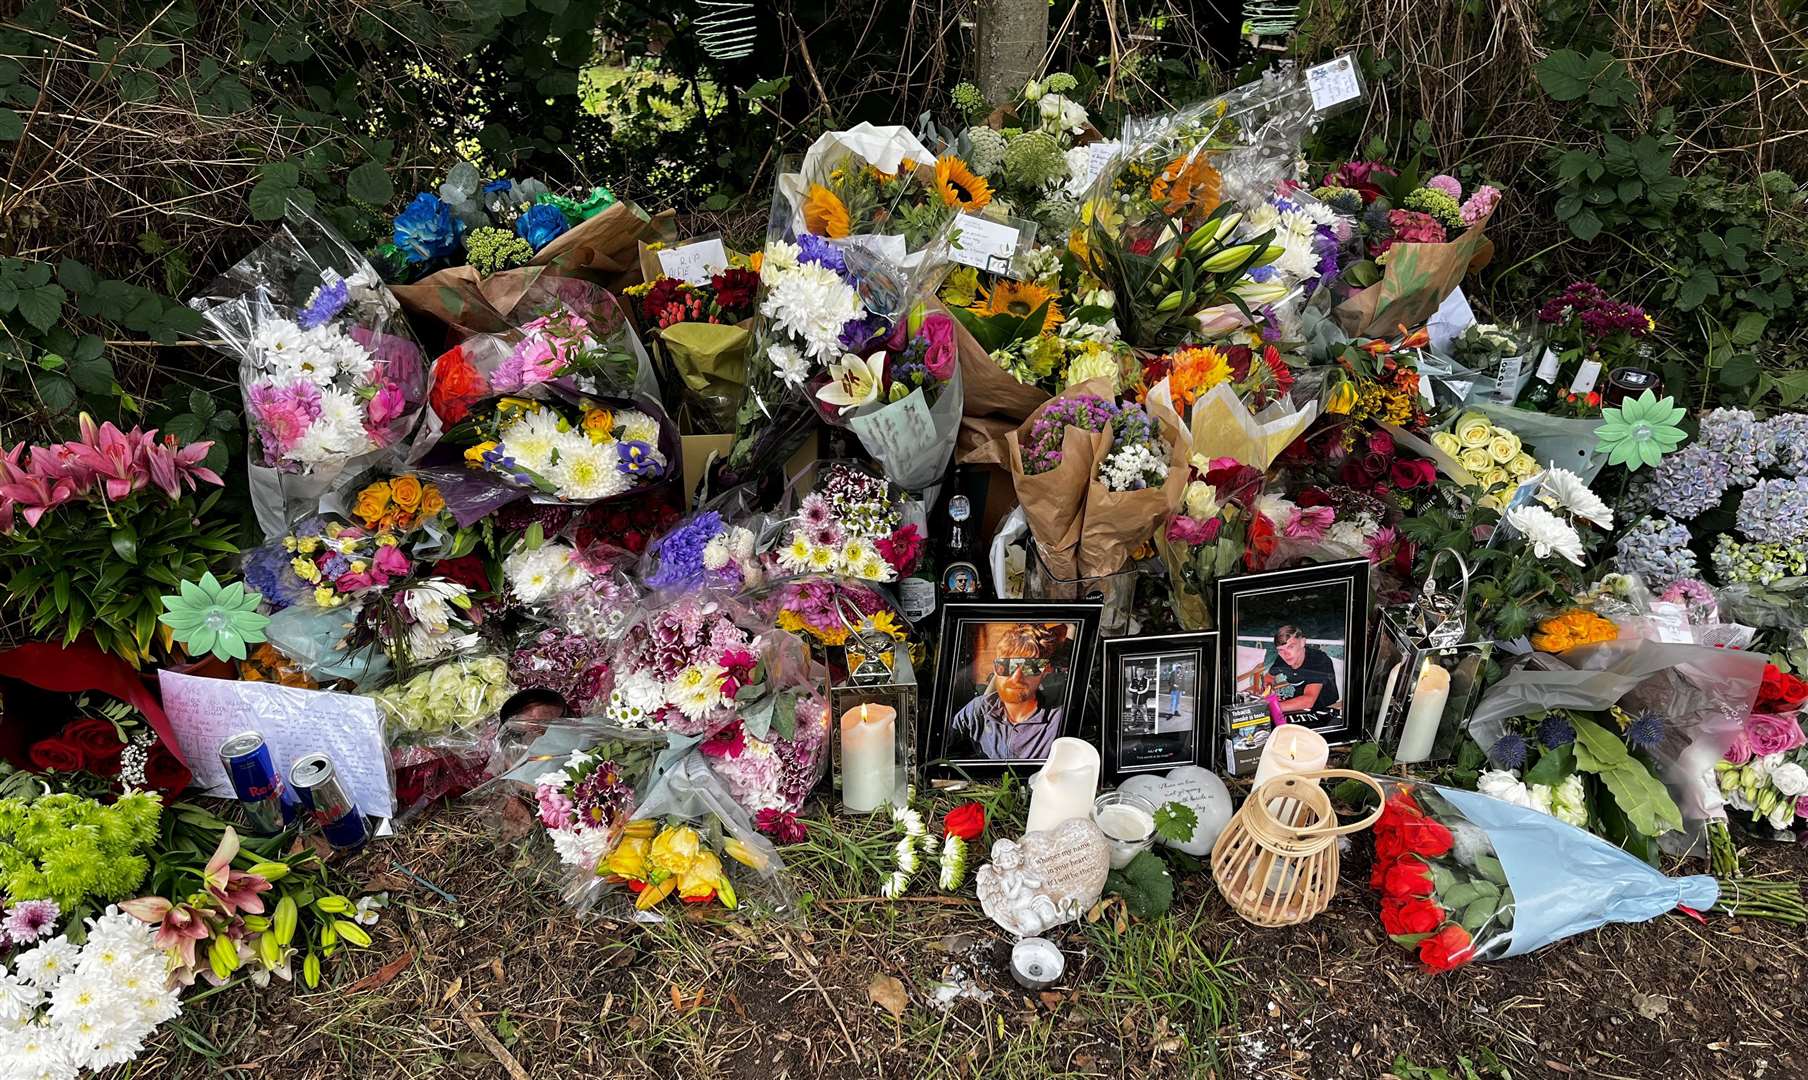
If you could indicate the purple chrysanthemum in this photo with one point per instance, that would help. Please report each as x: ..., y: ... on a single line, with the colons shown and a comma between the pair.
x: 326, y: 301
x: 29, y: 920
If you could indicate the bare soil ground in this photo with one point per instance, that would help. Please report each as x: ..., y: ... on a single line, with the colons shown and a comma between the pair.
x: 503, y: 981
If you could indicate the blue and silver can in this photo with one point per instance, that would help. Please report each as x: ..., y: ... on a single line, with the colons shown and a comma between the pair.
x: 269, y: 806
x: 328, y: 803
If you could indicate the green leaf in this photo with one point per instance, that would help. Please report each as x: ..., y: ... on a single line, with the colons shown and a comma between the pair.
x: 1553, y: 766
x: 1175, y: 822
x: 1564, y: 75
x: 784, y: 715
x: 75, y: 276
x: 125, y: 542
x: 1740, y: 370
x: 1749, y: 328
x: 12, y: 125
x: 1641, y: 796
x: 1700, y: 284
x: 269, y: 199
x: 42, y: 306
x: 370, y: 183
x: 56, y: 392
x: 93, y: 375
x: 1586, y: 225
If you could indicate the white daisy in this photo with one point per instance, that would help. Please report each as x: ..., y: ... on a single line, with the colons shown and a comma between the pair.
x: 822, y: 559
x: 1567, y: 491
x: 1547, y: 533
x: 697, y: 690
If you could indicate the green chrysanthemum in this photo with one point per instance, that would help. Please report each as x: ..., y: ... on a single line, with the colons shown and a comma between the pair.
x: 208, y: 617
x: 1640, y: 431
x: 1341, y: 199
x: 1437, y: 204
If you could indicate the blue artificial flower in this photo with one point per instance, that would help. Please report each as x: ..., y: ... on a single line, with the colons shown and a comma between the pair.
x: 327, y: 300
x: 541, y: 224
x: 497, y: 185
x: 637, y: 459
x: 1260, y: 274
x: 427, y: 230
x: 1555, y: 731
x: 1509, y: 752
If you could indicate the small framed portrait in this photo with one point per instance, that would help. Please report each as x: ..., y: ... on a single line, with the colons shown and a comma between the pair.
x: 1292, y: 644
x: 1011, y: 678
x: 1160, y: 705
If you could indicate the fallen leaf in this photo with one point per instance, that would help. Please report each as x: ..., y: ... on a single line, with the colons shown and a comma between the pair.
x: 382, y: 976
x: 1650, y: 1006
x: 1052, y: 1000
x: 496, y: 968
x: 608, y: 1005
x: 618, y: 955
x: 1558, y: 1066
x: 888, y: 993
x: 517, y: 820
x: 452, y: 991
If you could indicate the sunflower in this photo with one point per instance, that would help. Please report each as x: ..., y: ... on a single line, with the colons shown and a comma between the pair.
x: 1020, y: 298
x: 825, y: 214
x: 959, y: 187
x: 1188, y: 185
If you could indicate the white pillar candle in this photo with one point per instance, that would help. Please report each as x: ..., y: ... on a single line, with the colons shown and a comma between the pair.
x: 1291, y: 748
x: 1424, y: 714
x: 1066, y: 785
x: 869, y: 757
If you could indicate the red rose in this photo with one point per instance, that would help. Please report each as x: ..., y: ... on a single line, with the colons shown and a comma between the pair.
x: 55, y: 755
x: 1410, y: 915
x: 164, y: 771
x: 1781, y: 692
x: 1400, y: 808
x: 1426, y: 837
x: 1378, y: 876
x: 97, y: 739
x: 1447, y: 948
x: 457, y: 385
x: 1408, y: 877
x: 1389, y: 845
x: 967, y: 821
x: 466, y: 570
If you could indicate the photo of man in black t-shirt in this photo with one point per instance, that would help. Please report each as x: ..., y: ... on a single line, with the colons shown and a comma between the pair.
x: 1306, y: 670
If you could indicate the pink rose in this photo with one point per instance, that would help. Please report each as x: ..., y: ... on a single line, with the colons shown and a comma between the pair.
x: 939, y: 356
x: 1739, y: 751
x: 1801, y: 807
x: 1381, y: 443
x: 349, y: 582
x: 386, y: 406
x: 1770, y: 734
x: 391, y: 562
x: 1186, y: 530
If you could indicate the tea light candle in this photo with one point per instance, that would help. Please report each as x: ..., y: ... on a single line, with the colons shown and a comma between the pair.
x: 1291, y: 748
x: 1128, y: 823
x: 1036, y: 963
x: 1424, y: 715
x: 1066, y: 785
x: 869, y: 757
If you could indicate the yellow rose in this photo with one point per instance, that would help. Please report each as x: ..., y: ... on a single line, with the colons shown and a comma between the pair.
x: 1341, y: 399
x: 406, y: 491
x: 629, y: 859
x: 325, y: 597
x: 1446, y: 442
x: 359, y: 566
x: 1496, y: 478
x: 1503, y: 447
x: 1476, y: 460
x: 372, y: 502
x: 1473, y: 429
x: 432, y: 502
x: 598, y: 423
x: 1522, y: 465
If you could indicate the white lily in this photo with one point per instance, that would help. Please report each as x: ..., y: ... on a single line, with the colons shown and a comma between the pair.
x: 853, y: 382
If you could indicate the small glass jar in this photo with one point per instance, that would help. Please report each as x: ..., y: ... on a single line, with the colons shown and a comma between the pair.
x: 1128, y: 822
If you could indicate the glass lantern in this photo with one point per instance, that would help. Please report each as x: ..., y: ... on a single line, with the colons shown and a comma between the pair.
x: 1426, y: 674
x: 873, y: 714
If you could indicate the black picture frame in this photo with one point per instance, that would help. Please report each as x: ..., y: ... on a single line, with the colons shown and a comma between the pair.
x: 1139, y: 676
x: 1329, y: 604
x: 957, y: 743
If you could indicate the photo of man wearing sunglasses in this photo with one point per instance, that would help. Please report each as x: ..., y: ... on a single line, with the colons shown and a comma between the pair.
x: 1012, y: 718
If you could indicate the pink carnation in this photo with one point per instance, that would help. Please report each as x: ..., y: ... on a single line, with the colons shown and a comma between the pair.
x: 1447, y: 184
x: 1771, y: 734
x: 1480, y: 204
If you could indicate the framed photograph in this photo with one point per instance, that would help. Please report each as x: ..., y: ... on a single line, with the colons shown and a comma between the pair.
x: 1010, y: 679
x: 1160, y: 706
x: 1292, y: 643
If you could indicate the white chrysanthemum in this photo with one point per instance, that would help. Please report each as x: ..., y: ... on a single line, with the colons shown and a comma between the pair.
x: 795, y: 556
x: 1547, y: 533
x: 874, y: 568
x: 1567, y: 491
x: 585, y: 471
x: 740, y: 542
x: 822, y: 559
x: 582, y: 848
x: 275, y: 345
x: 789, y: 364
x: 47, y: 963
x: 18, y: 998
x: 337, y: 431
x: 533, y: 439
x: 36, y: 1052
x: 697, y: 690
x: 637, y: 427
x: 812, y: 305
x: 779, y: 258
x: 545, y: 571
x: 854, y: 552
x: 716, y: 554
x: 425, y: 644
x: 896, y: 884
x: 435, y: 602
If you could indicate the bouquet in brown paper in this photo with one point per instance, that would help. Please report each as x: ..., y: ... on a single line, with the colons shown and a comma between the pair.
x: 1095, y: 477
x: 467, y: 254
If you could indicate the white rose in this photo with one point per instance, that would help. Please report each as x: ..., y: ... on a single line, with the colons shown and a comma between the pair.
x: 1781, y: 817
x: 1790, y: 779
x: 1504, y: 784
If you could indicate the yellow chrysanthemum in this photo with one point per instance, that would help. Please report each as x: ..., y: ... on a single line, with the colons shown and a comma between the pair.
x: 958, y: 186
x: 1020, y: 298
x: 825, y: 214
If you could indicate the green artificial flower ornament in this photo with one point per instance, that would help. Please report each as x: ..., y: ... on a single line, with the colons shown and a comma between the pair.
x: 575, y: 210
x: 1640, y: 431
x: 207, y: 617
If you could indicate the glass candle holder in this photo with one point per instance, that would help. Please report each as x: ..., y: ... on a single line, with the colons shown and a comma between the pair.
x: 1128, y: 822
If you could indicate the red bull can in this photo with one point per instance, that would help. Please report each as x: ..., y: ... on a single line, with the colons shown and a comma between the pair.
x: 314, y: 779
x: 270, y: 807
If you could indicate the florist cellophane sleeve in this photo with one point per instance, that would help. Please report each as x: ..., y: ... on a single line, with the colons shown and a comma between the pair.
x: 690, y: 795
x: 603, y: 249
x: 779, y: 762
x: 548, y: 841
x: 1566, y: 442
x: 1054, y: 502
x: 1704, y: 694
x: 1117, y: 523
x: 1415, y: 279
x: 1517, y: 879
x: 913, y: 439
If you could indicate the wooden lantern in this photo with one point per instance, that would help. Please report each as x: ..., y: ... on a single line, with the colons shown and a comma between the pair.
x: 1276, y: 862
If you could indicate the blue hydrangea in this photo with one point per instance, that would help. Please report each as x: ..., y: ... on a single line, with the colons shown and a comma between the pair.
x: 1775, y: 511
x: 426, y: 230
x: 541, y: 225
x: 1735, y: 435
x: 1757, y: 564
x: 1787, y: 436
x: 1685, y: 484
x: 1657, y: 550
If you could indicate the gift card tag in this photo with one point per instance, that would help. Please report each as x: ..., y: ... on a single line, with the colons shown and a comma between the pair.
x: 1671, y: 623
x: 1333, y: 83
x: 694, y: 263
x: 985, y: 244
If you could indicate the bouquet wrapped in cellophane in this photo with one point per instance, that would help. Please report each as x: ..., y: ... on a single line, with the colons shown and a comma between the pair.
x: 858, y: 238
x: 332, y: 377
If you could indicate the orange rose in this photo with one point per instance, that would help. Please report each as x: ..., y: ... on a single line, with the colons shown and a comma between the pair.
x: 371, y: 504
x: 457, y: 385
x: 406, y: 491
x: 432, y: 502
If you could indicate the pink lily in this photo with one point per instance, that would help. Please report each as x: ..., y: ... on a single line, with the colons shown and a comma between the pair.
x: 10, y: 473
x: 61, y: 461
x: 172, y: 466
x: 179, y: 926
x: 235, y: 890
x: 117, y: 457
x: 34, y: 494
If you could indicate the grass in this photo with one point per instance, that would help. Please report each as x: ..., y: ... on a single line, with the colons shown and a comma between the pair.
x: 1166, y: 978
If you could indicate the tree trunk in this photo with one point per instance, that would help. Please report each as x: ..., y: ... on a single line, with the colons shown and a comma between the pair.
x: 1011, y: 39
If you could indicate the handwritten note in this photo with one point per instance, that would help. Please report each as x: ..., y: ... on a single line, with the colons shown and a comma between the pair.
x: 1097, y: 154
x: 695, y: 262
x: 293, y: 722
x: 984, y: 244
x: 1333, y: 83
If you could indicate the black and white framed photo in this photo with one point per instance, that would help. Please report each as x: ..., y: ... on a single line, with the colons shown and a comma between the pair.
x: 1011, y: 678
x: 1292, y: 646
x: 1160, y: 705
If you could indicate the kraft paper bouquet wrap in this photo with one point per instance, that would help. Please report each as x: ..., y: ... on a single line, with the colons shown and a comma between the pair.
x: 466, y: 254
x: 332, y: 377
x: 1095, y: 478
